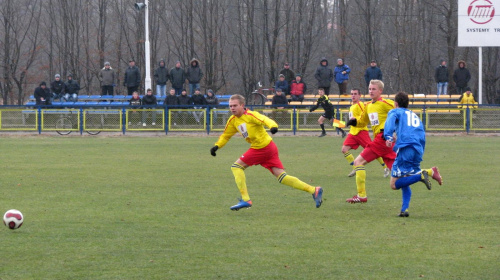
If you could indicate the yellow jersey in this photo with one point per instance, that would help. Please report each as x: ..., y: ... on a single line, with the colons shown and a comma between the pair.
x: 376, y: 114
x: 251, y: 126
x: 356, y: 111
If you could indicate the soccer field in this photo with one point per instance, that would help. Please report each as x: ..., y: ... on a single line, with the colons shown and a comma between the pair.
x: 158, y: 208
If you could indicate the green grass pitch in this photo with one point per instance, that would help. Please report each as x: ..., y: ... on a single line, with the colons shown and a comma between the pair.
x: 158, y: 208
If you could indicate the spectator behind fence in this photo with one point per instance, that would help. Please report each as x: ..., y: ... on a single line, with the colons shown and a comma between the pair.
x: 135, y: 101
x: 184, y: 99
x: 372, y: 73
x: 461, y: 77
x: 172, y: 101
x: 132, y: 78
x: 149, y: 99
x: 194, y: 75
x: 441, y: 77
x: 177, y: 78
x: 298, y: 89
x: 324, y: 75
x: 108, y: 79
x: 72, y: 87
x: 213, y: 101
x: 289, y: 76
x: 198, y: 100
x: 281, y: 83
x: 161, y: 77
x: 279, y: 100
x: 467, y: 99
x: 57, y: 88
x: 42, y: 95
x: 341, y: 73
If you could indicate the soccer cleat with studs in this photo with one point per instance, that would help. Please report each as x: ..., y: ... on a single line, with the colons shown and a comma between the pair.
x: 387, y: 172
x: 352, y: 174
x: 426, y: 180
x: 322, y: 134
x: 436, y: 176
x: 404, y: 214
x: 241, y: 204
x: 318, y: 196
x: 357, y: 199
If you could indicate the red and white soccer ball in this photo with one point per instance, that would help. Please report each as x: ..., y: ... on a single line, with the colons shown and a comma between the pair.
x: 13, y: 219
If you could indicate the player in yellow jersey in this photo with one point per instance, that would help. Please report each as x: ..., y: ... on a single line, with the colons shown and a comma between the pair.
x: 375, y: 113
x: 262, y: 151
x: 358, y: 135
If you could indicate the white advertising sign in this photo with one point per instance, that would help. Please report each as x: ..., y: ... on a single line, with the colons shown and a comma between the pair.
x: 479, y: 23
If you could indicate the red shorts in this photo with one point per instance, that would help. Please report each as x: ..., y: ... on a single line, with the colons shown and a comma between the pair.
x: 361, y: 139
x: 267, y: 157
x: 376, y: 149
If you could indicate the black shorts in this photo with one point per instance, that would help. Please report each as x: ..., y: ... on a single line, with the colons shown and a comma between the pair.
x: 328, y: 115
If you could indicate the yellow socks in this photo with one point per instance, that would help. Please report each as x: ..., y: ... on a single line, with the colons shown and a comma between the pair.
x: 429, y: 171
x: 381, y: 161
x: 239, y: 177
x: 360, y: 180
x: 295, y: 183
x: 349, y: 157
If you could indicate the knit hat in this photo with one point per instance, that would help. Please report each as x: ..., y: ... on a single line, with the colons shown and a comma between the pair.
x: 281, y: 76
x: 197, y: 89
x: 70, y: 75
x: 43, y: 84
x: 298, y: 75
x: 211, y: 91
x: 58, y: 76
x: 279, y: 90
x: 467, y: 89
x: 106, y: 63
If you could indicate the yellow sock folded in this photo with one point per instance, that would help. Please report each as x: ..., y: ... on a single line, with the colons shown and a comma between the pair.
x: 360, y: 180
x: 381, y: 161
x: 295, y: 183
x: 349, y: 157
x: 239, y: 177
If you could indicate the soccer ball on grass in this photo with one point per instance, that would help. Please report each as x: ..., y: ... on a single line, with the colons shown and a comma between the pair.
x: 13, y: 219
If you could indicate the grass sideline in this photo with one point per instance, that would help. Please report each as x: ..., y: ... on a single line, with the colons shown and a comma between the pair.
x: 158, y: 208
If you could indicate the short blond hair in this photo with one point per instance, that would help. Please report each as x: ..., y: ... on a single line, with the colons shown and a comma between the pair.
x: 238, y: 97
x: 378, y: 83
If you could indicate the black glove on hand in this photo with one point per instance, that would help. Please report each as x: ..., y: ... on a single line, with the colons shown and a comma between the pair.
x: 352, y: 122
x: 310, y: 110
x: 274, y: 130
x: 213, y: 150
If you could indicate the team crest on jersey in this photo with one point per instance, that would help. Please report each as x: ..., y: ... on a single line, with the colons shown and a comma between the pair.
x: 242, y: 128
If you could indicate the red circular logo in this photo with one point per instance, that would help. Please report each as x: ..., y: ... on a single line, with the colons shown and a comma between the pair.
x: 481, y: 11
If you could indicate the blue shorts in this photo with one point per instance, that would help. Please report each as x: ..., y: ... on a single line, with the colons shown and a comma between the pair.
x: 407, y: 162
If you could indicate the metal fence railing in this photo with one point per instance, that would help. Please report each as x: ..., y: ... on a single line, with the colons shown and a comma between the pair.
x: 294, y: 119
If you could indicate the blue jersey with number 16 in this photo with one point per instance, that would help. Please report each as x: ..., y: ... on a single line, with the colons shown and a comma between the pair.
x: 408, y: 127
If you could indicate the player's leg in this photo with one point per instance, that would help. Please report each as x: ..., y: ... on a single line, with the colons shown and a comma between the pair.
x: 321, y: 122
x: 349, y: 157
x: 434, y: 173
x: 387, y: 171
x: 296, y: 183
x: 359, y: 167
x: 238, y: 169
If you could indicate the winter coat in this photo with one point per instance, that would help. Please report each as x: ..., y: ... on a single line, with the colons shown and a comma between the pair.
x: 132, y: 77
x: 135, y: 101
x: 194, y: 73
x: 339, y: 77
x: 298, y: 88
x: 372, y: 73
x: 107, y: 77
x: 212, y: 100
x: 324, y: 75
x: 283, y: 85
x: 279, y: 100
x: 441, y: 75
x: 289, y: 75
x: 171, y: 100
x: 57, y: 87
x: 161, y: 74
x: 198, y: 99
x: 42, y: 93
x: 184, y: 100
x: 149, y: 100
x: 72, y: 86
x: 461, y: 76
x: 177, y: 77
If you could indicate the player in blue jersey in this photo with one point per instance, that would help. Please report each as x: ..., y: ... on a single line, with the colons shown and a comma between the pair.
x: 409, y: 147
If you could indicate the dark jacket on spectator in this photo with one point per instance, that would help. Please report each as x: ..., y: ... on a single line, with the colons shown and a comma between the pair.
x: 441, y: 75
x: 57, y: 87
x: 177, y: 77
x: 149, y: 100
x: 184, y: 100
x: 72, y: 86
x: 324, y: 74
x: 283, y: 85
x: 42, y: 93
x: 132, y: 77
x: 198, y: 99
x: 194, y: 73
x: 461, y: 76
x: 372, y: 73
x: 212, y: 100
x: 289, y: 75
x: 172, y: 100
x: 135, y: 101
x: 161, y: 74
x: 279, y: 100
x: 107, y: 76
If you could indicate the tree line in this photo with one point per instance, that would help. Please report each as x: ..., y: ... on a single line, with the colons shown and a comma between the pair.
x: 239, y: 43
